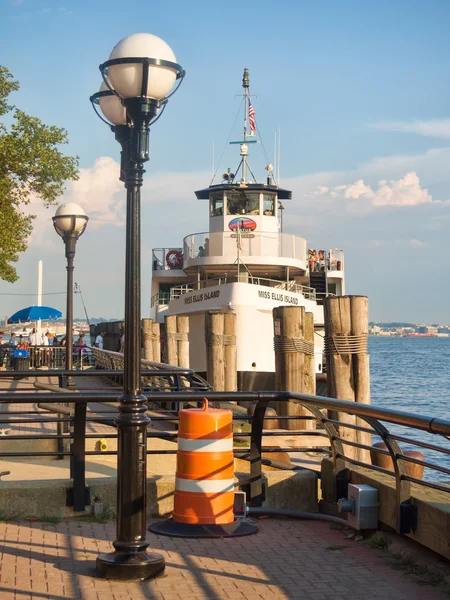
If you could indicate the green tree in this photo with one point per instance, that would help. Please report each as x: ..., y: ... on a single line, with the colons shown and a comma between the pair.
x: 31, y: 167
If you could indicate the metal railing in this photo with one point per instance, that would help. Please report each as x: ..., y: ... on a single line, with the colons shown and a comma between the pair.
x: 163, y: 259
x: 333, y: 423
x: 179, y: 290
x: 165, y: 378
x: 253, y: 243
x: 51, y: 357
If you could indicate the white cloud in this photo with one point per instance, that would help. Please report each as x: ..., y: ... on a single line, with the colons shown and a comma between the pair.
x: 416, y: 243
x: 405, y: 191
x: 357, y: 189
x: 439, y: 128
x: 97, y: 191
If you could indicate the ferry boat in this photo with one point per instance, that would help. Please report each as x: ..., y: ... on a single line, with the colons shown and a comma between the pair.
x: 245, y: 262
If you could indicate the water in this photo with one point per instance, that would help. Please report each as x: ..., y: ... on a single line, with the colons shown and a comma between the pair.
x: 413, y: 375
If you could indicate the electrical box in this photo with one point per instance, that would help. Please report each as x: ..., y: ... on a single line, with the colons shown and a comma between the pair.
x: 240, y: 503
x: 365, y: 506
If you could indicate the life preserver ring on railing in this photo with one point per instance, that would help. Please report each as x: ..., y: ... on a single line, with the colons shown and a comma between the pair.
x: 174, y: 259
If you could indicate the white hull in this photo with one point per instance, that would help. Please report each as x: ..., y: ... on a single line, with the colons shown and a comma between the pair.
x: 253, y: 305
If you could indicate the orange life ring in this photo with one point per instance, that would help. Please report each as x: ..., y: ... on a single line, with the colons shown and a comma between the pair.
x: 174, y: 259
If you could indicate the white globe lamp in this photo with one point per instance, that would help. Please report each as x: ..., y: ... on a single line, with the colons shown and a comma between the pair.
x: 70, y: 219
x: 111, y: 106
x: 127, y: 77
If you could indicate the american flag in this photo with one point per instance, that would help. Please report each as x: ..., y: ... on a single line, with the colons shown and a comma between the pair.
x: 251, y: 118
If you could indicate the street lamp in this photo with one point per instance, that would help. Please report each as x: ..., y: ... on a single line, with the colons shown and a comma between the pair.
x: 70, y: 221
x: 138, y: 77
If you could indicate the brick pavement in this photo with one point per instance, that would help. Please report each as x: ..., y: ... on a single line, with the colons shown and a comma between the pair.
x: 286, y: 559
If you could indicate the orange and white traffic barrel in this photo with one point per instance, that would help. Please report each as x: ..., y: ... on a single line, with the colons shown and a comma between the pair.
x: 204, y: 485
x: 204, y: 482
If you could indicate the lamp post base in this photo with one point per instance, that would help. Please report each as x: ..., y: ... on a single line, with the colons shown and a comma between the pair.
x: 130, y: 566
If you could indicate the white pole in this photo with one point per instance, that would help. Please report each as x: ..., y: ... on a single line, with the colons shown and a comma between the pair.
x: 40, y: 271
x: 278, y: 161
x: 39, y: 300
x: 275, y: 174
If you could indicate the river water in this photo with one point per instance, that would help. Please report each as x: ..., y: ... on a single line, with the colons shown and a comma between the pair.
x: 413, y: 375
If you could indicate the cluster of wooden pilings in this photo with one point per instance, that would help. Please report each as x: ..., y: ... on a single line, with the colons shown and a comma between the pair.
x: 346, y: 358
x: 151, y: 340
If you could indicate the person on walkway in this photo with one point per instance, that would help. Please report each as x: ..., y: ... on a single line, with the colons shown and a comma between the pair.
x: 80, y: 344
x: 13, y: 340
x: 35, y: 338
x: 64, y: 339
x: 99, y: 340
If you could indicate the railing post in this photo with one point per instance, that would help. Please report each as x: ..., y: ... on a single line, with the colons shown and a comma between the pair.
x: 79, y: 457
x: 404, y: 519
x: 256, y: 491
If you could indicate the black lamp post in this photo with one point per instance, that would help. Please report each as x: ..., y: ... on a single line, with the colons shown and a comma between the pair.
x: 138, y: 77
x: 70, y: 221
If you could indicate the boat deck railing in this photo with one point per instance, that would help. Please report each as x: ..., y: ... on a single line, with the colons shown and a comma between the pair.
x: 162, y: 298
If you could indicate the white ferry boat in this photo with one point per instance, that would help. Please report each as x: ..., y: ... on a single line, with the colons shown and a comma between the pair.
x: 245, y: 263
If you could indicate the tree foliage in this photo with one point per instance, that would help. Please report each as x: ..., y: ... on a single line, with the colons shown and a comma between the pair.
x: 31, y: 167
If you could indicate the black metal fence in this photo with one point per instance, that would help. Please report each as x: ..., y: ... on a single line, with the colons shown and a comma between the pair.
x: 50, y: 357
x: 168, y: 388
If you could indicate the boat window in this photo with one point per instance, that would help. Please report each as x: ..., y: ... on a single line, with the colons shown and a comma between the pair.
x: 216, y: 204
x: 243, y: 203
x: 268, y: 205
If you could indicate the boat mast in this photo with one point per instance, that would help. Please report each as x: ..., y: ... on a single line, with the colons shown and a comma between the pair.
x: 244, y: 147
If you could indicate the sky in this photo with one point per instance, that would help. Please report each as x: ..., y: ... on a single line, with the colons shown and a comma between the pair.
x: 360, y: 92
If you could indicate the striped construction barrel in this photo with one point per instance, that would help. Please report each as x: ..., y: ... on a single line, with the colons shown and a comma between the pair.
x: 204, y: 486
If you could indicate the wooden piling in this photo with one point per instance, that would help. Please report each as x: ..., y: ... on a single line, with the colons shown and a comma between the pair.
x: 359, y: 314
x: 230, y: 351
x: 171, y: 339
x: 156, y: 341
x: 183, y: 340
x: 348, y: 377
x: 289, y: 323
x: 309, y: 376
x: 214, y: 330
x: 147, y: 343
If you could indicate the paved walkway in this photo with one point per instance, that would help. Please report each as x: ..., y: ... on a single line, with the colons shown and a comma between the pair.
x: 286, y: 559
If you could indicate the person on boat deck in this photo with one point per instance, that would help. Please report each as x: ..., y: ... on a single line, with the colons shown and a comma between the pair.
x: 321, y: 260
x: 206, y: 247
x: 312, y: 259
x: 201, y: 252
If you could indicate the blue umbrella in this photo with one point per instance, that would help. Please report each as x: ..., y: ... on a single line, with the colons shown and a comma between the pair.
x: 34, y: 313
